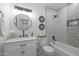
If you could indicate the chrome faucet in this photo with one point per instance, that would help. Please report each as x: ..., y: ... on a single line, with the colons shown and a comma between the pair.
x: 53, y: 39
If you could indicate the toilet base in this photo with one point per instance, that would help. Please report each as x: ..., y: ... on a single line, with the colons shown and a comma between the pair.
x: 43, y: 53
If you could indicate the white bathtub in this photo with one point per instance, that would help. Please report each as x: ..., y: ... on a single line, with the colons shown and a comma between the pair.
x: 62, y: 49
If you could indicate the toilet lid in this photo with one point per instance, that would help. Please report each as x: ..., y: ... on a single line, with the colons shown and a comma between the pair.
x: 48, y: 48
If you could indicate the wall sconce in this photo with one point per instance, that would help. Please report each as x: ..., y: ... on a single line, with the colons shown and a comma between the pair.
x: 22, y: 9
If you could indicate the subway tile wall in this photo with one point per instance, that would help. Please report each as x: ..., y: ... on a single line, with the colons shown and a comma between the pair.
x: 73, y: 32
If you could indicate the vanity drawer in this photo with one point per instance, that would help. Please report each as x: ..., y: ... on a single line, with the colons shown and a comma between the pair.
x: 15, y: 52
x: 23, y: 48
x: 17, y: 45
x: 30, y: 50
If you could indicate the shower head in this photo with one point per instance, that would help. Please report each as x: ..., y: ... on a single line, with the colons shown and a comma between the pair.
x: 55, y: 16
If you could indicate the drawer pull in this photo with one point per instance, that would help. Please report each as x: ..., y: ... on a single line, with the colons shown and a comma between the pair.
x: 22, y: 52
x: 23, y: 45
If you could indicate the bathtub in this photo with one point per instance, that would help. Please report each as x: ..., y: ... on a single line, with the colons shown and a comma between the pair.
x: 62, y: 49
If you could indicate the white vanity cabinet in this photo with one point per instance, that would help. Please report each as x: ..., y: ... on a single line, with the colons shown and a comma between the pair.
x: 20, y: 48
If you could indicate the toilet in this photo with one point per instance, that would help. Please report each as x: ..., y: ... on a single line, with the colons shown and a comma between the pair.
x: 46, y: 49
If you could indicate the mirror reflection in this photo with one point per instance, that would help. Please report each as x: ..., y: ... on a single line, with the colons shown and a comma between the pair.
x: 22, y: 22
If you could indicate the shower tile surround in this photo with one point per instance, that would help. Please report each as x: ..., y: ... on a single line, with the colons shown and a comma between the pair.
x: 68, y: 35
x: 73, y: 36
x: 73, y: 31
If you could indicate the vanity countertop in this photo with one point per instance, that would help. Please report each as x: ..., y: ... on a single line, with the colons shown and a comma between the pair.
x: 2, y: 39
x: 19, y: 39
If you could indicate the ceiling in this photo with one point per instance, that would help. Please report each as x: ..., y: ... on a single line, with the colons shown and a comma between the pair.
x: 56, y: 6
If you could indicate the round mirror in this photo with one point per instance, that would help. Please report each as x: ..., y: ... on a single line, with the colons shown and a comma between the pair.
x: 22, y: 22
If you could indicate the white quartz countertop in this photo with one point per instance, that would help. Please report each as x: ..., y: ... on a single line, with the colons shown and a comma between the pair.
x: 19, y: 39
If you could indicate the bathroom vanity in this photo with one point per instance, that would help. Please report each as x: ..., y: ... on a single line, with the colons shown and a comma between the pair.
x: 21, y: 46
x: 25, y: 46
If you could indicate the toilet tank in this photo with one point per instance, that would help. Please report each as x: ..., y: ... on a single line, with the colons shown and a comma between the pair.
x: 43, y: 41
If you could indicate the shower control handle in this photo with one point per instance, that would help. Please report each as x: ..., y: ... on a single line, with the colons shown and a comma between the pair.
x: 54, y: 38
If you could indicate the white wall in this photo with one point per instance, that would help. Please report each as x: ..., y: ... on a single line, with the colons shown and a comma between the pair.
x: 57, y: 26
x: 4, y: 7
x: 37, y: 10
x: 9, y: 14
x: 50, y: 23
x: 62, y: 25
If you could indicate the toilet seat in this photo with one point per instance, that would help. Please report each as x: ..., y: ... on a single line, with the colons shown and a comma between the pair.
x: 48, y: 49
